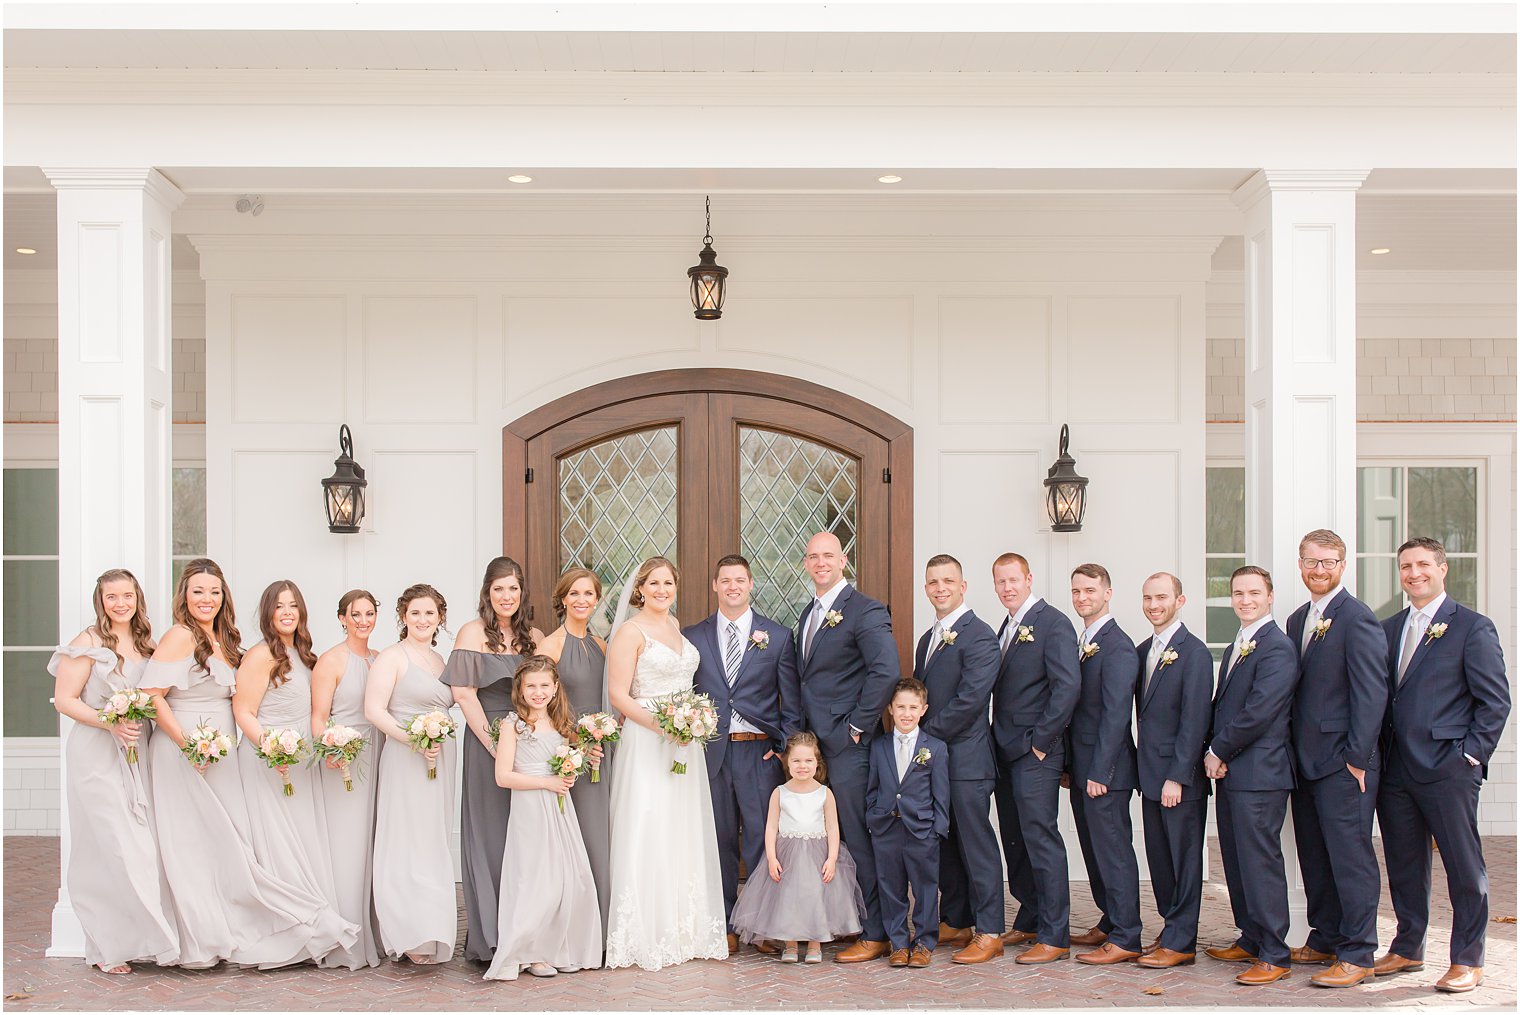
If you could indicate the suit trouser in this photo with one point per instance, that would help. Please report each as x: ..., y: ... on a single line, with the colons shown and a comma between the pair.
x: 1250, y: 846
x: 849, y: 772
x: 903, y: 859
x: 1015, y: 857
x: 1106, y: 835
x: 970, y: 877
x: 1033, y: 793
x: 1332, y: 827
x: 1174, y: 853
x: 1409, y: 813
x: 741, y: 798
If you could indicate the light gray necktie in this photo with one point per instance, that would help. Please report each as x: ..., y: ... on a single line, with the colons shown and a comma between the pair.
x: 936, y: 637
x: 1310, y: 622
x: 731, y: 663
x: 1152, y: 658
x: 1413, y: 632
x: 903, y: 757
x: 1010, y: 632
x: 815, y: 620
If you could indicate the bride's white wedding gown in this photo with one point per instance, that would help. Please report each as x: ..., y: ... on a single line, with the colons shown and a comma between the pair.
x: 667, y: 892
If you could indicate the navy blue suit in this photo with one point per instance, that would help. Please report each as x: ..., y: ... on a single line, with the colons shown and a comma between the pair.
x: 1454, y: 700
x: 1032, y: 702
x: 1252, y: 706
x: 767, y: 693
x: 1102, y: 748
x: 907, y: 818
x: 847, y: 680
x: 1337, y: 716
x: 1174, y: 705
x: 959, y: 677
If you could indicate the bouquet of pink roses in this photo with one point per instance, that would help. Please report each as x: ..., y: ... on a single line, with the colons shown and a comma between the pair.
x: 565, y: 762
x: 686, y: 717
x: 206, y: 745
x: 129, y: 705
x: 280, y: 749
x: 429, y: 730
x: 342, y: 745
x: 597, y: 728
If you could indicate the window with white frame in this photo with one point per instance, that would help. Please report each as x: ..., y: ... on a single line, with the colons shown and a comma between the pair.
x: 1224, y: 551
x: 1395, y: 502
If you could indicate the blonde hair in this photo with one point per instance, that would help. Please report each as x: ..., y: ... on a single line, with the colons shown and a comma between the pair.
x: 140, y: 627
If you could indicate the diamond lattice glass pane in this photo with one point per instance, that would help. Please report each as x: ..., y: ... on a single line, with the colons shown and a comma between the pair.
x: 617, y: 507
x: 790, y: 488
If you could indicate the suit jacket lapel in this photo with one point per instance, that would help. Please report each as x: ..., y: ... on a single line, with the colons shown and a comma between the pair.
x: 747, y: 648
x: 1160, y: 670
x: 1225, y: 673
x: 1443, y: 616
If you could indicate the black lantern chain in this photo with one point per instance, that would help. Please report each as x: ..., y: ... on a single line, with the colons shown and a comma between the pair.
x: 344, y: 489
x: 709, y: 279
x: 1065, y: 491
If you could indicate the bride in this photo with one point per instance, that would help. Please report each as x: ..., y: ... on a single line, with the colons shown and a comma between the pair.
x: 667, y: 892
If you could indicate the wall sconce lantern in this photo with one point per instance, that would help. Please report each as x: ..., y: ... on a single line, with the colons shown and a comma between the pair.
x: 1065, y: 491
x: 709, y: 279
x: 344, y: 489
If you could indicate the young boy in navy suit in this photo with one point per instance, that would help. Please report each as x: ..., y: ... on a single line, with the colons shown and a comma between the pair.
x: 907, y: 812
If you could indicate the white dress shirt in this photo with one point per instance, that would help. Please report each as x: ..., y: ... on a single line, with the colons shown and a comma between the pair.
x: 736, y: 723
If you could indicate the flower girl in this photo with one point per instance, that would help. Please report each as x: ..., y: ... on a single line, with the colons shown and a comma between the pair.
x: 811, y: 894
x: 548, y: 917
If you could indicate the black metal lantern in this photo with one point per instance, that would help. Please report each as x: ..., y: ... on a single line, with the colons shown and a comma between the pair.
x: 709, y: 279
x: 1065, y: 491
x: 344, y: 489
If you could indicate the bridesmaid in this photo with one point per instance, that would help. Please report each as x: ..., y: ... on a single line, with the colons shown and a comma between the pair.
x: 228, y: 906
x: 337, y: 693
x: 114, y: 880
x: 582, y: 661
x: 274, y: 693
x: 480, y: 669
x: 414, y: 815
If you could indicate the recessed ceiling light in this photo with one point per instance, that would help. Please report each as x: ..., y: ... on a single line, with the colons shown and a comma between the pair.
x: 1380, y: 250
x: 26, y: 250
x: 519, y: 178
x: 889, y: 179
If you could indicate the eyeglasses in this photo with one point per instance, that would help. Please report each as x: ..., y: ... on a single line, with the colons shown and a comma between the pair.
x: 1314, y: 564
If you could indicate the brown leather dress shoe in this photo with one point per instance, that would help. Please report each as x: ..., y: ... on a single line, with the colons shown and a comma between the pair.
x: 1165, y: 958
x: 1152, y: 946
x: 1108, y: 955
x: 899, y: 959
x: 1234, y: 953
x: 1091, y: 937
x: 949, y: 935
x: 865, y: 951
x: 920, y: 958
x: 1391, y: 963
x: 767, y: 947
x: 1262, y: 973
x: 1306, y: 956
x: 1042, y: 953
x: 733, y: 944
x: 1342, y: 974
x: 1460, y: 979
x: 982, y: 948
x: 1019, y: 937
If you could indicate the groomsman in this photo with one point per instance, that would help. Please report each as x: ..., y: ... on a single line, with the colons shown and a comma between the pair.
x: 1337, y: 716
x: 1101, y: 760
x: 848, y: 663
x: 749, y: 669
x: 1450, y: 701
x: 957, y: 660
x: 1173, y: 708
x: 1250, y: 758
x: 1035, y: 694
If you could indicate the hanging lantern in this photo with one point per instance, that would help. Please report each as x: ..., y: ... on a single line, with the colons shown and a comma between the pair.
x: 1065, y: 491
x: 709, y: 279
x: 344, y: 489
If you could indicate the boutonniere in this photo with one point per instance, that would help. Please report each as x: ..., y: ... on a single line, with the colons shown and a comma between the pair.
x: 1026, y: 633
x: 760, y: 640
x: 1322, y: 628
x: 832, y: 618
x: 1167, y: 658
x: 1089, y: 650
x: 1436, y: 631
x: 922, y: 757
x: 948, y: 637
x: 1247, y: 648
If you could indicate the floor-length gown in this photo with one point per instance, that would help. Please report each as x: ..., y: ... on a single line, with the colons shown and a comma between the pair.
x: 286, y: 832
x: 484, y: 806
x: 583, y: 674
x: 414, y: 817
x: 667, y: 890
x: 227, y: 905
x: 548, y: 911
x: 114, y: 879
x: 350, y: 817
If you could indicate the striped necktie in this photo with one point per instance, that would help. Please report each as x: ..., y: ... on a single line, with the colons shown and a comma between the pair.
x: 732, y: 654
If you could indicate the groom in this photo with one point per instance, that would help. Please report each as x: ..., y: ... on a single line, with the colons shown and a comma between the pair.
x: 749, y: 669
x: 848, y: 662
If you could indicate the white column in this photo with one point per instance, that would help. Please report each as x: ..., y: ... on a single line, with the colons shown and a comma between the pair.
x: 1300, y: 386
x: 114, y: 385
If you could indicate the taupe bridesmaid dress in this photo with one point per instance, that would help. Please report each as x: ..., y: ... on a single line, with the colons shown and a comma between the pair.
x: 350, y: 817
x: 582, y: 673
x: 115, y: 883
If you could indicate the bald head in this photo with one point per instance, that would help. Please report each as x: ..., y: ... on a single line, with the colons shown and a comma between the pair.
x: 825, y: 561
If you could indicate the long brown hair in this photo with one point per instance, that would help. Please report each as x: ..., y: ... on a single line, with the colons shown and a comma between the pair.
x: 561, y: 715
x: 422, y: 590
x: 224, y: 624
x: 522, y: 633
x: 139, y: 626
x: 268, y: 602
x: 566, y: 581
x: 649, y: 567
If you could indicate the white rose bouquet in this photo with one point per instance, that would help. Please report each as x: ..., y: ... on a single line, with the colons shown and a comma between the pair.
x: 341, y: 745
x: 597, y: 728
x: 566, y: 762
x: 429, y: 730
x: 206, y: 745
x: 129, y: 705
x: 280, y: 749
x: 686, y: 717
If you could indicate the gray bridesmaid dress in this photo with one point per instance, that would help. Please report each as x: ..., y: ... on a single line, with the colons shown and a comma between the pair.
x: 350, y: 816
x: 114, y: 880
x: 484, y: 806
x: 414, y: 817
x: 582, y: 673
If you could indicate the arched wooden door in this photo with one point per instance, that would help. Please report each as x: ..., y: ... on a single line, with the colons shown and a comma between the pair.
x: 695, y: 464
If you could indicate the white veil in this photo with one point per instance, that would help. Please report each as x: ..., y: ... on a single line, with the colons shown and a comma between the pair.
x: 619, y: 618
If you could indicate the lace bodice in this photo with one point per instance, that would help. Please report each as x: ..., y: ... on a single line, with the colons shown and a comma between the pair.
x: 660, y: 670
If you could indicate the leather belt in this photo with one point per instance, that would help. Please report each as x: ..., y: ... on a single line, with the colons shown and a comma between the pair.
x: 745, y: 737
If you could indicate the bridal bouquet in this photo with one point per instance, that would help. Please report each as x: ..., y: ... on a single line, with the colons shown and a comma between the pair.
x: 280, y: 749
x: 130, y: 705
x: 566, y: 762
x: 597, y: 728
x: 340, y: 744
x: 686, y: 717
x: 206, y: 745
x: 429, y: 730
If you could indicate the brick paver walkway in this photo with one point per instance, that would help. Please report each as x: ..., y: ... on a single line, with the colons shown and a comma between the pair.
x: 749, y: 981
